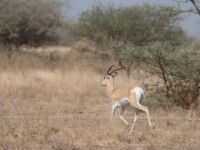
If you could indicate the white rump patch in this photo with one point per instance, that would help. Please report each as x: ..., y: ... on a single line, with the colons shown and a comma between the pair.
x: 139, y: 92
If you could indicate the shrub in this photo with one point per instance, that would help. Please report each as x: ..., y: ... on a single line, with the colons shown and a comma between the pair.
x: 176, y: 66
x: 135, y: 24
x: 32, y: 22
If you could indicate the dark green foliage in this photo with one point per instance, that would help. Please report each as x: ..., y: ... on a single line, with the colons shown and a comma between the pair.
x: 176, y: 66
x: 135, y: 24
x: 31, y: 22
x: 148, y: 36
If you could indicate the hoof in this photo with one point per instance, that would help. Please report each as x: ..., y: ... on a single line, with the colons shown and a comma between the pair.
x: 152, y: 126
x: 129, y: 133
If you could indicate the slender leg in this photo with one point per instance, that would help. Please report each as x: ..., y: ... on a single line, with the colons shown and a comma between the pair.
x: 121, y: 115
x: 135, y: 119
x: 114, y: 106
x: 135, y: 103
x: 145, y: 109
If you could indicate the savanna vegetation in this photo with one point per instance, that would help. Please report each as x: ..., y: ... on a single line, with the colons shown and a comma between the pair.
x: 149, y: 38
x: 51, y: 69
x: 35, y: 22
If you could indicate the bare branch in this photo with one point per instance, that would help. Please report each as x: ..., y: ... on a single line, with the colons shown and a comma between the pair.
x: 195, y: 5
x: 195, y: 10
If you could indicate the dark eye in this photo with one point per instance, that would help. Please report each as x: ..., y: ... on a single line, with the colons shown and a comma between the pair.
x: 104, y: 77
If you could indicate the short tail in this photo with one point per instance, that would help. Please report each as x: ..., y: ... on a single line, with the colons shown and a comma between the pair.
x: 143, y: 95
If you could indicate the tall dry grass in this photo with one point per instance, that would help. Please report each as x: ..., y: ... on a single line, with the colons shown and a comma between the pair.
x: 59, y: 104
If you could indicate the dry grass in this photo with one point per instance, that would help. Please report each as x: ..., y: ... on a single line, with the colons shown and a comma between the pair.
x: 59, y: 105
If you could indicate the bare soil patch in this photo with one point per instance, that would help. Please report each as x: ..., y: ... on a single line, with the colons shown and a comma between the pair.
x: 61, y: 105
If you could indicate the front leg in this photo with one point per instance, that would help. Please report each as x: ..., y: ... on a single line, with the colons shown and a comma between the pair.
x: 114, y: 106
x: 121, y: 115
x: 135, y: 119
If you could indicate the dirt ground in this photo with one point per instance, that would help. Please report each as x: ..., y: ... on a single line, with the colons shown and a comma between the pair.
x: 87, y: 131
x: 50, y: 104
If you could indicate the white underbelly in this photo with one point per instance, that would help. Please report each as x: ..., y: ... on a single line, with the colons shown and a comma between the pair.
x: 124, y: 102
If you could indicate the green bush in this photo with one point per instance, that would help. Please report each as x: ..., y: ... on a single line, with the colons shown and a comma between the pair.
x: 32, y: 22
x: 176, y: 66
x: 148, y: 36
x: 135, y: 24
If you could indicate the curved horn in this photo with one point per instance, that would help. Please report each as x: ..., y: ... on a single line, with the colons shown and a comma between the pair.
x: 108, y: 72
x: 120, y: 63
x: 114, y: 72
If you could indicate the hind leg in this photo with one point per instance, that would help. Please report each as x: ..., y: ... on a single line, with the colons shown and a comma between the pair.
x: 137, y: 105
x: 146, y: 110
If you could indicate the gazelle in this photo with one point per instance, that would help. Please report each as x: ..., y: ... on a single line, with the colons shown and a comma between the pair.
x: 124, y: 97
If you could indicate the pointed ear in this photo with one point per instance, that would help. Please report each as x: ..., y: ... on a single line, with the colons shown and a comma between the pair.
x: 107, y: 77
x: 114, y: 74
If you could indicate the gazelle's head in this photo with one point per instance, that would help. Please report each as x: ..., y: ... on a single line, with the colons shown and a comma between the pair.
x: 108, y: 78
